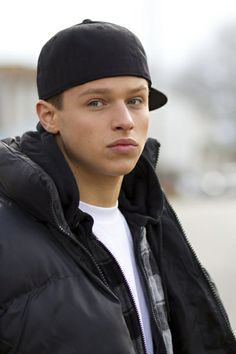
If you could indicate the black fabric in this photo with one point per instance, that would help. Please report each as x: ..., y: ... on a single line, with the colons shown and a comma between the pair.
x: 89, y: 51
x: 143, y: 202
x: 43, y: 150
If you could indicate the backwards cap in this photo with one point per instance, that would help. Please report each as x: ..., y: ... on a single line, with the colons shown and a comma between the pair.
x: 89, y: 51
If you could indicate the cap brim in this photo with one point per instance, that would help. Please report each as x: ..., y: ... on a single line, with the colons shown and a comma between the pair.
x: 157, y: 99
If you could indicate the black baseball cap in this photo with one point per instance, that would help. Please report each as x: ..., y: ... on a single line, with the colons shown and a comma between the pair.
x: 89, y: 51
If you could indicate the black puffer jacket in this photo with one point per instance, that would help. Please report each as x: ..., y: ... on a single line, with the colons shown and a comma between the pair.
x: 50, y: 301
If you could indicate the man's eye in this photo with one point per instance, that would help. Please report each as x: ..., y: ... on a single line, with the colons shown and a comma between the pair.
x: 95, y: 104
x: 135, y: 101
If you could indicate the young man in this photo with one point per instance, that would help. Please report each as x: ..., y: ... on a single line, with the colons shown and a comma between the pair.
x: 92, y: 257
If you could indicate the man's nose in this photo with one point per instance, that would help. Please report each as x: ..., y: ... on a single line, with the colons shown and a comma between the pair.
x: 122, y: 117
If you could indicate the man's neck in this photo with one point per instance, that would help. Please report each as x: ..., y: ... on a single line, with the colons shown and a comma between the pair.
x: 100, y: 191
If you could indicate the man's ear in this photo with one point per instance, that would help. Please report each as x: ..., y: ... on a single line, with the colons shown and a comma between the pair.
x: 47, y: 116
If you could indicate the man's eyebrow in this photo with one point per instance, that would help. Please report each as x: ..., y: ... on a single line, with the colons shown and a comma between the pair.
x: 139, y: 88
x: 92, y: 91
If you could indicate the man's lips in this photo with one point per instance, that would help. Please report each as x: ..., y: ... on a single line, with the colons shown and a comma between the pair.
x: 123, y: 142
x: 123, y: 146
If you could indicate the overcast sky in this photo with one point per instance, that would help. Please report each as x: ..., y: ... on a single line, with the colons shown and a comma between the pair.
x: 170, y: 30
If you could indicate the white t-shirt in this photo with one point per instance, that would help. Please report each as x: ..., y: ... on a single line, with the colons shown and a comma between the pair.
x: 111, y: 228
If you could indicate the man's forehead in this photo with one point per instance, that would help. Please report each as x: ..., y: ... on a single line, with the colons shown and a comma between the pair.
x: 112, y: 84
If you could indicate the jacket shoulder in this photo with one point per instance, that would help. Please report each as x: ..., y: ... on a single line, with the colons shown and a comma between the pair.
x: 28, y: 254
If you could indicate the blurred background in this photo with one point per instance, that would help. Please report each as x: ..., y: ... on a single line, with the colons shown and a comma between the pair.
x: 191, y: 46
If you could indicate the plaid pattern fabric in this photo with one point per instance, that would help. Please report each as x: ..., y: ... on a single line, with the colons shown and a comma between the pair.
x: 153, y: 279
x: 119, y: 286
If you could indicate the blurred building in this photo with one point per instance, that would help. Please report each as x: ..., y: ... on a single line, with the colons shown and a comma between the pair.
x: 192, y: 160
x: 17, y: 98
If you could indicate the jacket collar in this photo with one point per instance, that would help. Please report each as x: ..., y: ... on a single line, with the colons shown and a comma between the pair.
x: 141, y: 197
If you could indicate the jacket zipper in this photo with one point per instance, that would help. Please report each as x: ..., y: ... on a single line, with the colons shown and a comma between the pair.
x: 147, y: 286
x: 206, y: 277
x: 130, y: 293
x: 89, y: 254
x: 69, y: 234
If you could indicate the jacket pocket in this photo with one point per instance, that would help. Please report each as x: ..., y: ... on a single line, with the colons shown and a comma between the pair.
x: 5, y: 347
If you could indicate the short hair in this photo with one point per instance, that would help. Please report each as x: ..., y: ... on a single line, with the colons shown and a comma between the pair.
x: 56, y: 101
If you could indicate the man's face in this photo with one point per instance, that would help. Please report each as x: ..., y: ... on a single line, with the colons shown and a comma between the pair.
x: 102, y: 127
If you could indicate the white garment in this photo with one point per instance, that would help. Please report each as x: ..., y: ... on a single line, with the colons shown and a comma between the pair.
x: 111, y: 228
